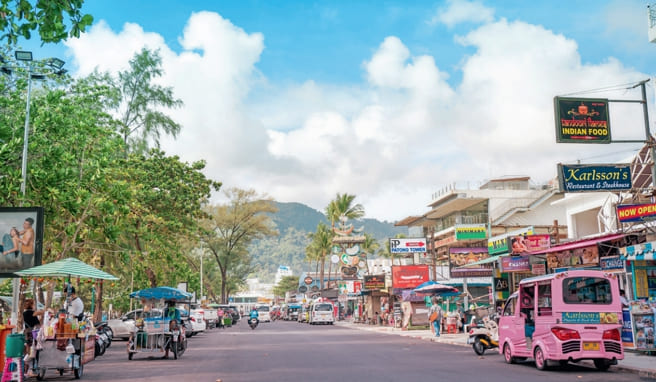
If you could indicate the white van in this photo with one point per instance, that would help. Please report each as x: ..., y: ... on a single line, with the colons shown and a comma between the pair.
x: 263, y: 313
x: 322, y: 313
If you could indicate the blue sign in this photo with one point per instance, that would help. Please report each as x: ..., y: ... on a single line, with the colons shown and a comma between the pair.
x: 609, y: 263
x: 627, y: 328
x: 590, y: 178
x: 581, y: 318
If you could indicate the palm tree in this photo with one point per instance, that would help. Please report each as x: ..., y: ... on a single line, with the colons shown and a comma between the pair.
x: 342, y: 205
x: 322, y: 241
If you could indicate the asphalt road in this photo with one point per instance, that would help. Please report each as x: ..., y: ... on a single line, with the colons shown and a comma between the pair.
x: 289, y: 351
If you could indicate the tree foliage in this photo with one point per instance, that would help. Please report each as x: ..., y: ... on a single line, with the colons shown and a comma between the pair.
x: 286, y: 284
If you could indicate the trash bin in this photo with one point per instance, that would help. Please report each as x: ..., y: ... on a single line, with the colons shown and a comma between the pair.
x: 4, y: 332
x: 14, y: 345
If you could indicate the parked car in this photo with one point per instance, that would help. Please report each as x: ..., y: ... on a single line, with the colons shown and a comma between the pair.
x: 211, y: 316
x: 123, y: 327
x: 197, y: 322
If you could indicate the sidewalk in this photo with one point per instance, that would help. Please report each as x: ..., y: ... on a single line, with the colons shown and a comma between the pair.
x: 636, y: 363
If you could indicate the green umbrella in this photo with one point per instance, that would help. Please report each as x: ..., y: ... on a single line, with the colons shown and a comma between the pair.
x: 70, y: 267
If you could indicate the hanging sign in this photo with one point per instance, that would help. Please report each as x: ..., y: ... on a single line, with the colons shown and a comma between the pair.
x: 636, y: 212
x: 582, y: 120
x: 598, y: 177
x: 411, y: 245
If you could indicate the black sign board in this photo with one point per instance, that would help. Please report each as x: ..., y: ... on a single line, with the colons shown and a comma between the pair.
x: 582, y: 120
x: 501, y: 284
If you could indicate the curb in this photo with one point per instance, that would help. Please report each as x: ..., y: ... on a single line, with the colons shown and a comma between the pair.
x: 642, y: 373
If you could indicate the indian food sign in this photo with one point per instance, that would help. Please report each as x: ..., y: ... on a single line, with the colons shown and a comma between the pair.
x: 598, y: 177
x: 636, y: 212
x: 374, y: 282
x: 582, y: 120
x: 459, y: 257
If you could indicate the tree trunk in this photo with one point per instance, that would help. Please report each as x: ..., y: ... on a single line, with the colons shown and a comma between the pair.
x: 223, y: 287
x: 323, y: 265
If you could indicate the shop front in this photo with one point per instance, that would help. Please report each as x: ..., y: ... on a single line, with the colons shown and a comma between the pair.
x: 404, y: 279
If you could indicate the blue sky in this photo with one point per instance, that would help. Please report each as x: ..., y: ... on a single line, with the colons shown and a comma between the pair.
x: 388, y: 100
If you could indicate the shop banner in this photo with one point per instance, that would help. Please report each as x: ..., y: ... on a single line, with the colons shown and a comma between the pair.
x: 636, y: 212
x: 409, y: 276
x: 459, y: 257
x: 627, y: 329
x: 611, y: 263
x: 579, y: 257
x: 590, y: 318
x: 591, y: 178
x: 374, y: 282
x: 501, y: 244
x: 515, y: 264
x: 412, y: 245
x: 582, y: 120
x: 471, y: 231
x: 529, y: 243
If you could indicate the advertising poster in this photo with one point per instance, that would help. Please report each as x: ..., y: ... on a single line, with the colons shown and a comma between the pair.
x: 409, y: 276
x: 627, y: 329
x: 579, y: 257
x: 515, y: 264
x: 459, y: 257
x: 529, y: 243
x: 627, y: 213
x: 21, y: 229
x: 582, y: 120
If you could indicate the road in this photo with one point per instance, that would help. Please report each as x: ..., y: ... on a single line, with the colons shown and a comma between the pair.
x: 289, y: 351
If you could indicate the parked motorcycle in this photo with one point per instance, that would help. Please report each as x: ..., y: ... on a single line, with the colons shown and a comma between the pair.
x: 484, y: 336
x: 104, y: 337
x: 252, y: 322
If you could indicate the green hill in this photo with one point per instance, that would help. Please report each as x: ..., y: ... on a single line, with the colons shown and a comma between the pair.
x: 294, y: 221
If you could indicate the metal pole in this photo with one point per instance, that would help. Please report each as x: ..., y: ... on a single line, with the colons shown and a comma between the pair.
x: 201, y: 278
x: 648, y: 136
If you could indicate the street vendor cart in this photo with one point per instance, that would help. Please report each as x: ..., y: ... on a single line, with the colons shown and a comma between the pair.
x: 156, y: 333
x: 65, y: 344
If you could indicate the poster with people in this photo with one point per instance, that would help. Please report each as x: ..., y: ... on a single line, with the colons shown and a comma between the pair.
x: 578, y: 257
x: 21, y: 229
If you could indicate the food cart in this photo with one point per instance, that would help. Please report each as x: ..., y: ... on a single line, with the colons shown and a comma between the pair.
x: 155, y: 333
x: 64, y: 343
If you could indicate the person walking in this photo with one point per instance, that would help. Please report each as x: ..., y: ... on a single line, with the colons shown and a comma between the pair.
x: 435, y: 316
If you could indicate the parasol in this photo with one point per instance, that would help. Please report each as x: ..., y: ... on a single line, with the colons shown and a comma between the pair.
x: 433, y: 287
x: 70, y: 267
x: 159, y: 293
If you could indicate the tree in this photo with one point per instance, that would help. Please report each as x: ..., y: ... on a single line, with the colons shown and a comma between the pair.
x: 370, y: 246
x: 231, y: 228
x: 322, y: 242
x: 141, y: 117
x: 286, y: 284
x: 20, y: 18
x: 342, y: 206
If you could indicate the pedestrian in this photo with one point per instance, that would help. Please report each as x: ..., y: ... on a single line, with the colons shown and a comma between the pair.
x: 220, y: 314
x: 435, y: 316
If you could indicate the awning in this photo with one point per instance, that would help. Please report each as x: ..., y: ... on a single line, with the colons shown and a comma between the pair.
x: 644, y: 251
x: 579, y: 244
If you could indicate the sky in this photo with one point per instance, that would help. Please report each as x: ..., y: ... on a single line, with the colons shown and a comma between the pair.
x: 388, y: 100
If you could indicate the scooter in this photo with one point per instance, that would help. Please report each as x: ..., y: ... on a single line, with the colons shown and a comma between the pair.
x: 485, y: 336
x: 252, y: 322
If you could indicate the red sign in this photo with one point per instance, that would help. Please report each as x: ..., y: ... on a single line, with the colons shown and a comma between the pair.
x: 529, y: 243
x: 635, y: 212
x: 409, y: 276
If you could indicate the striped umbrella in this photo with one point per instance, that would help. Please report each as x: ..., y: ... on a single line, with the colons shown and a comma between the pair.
x: 70, y: 267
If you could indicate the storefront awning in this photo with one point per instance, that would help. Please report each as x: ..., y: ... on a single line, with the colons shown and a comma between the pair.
x: 644, y: 251
x: 579, y: 244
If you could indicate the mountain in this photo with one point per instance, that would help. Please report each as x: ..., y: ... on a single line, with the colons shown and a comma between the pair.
x: 294, y: 221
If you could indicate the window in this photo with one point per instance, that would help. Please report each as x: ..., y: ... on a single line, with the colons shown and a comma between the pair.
x: 509, y: 309
x: 586, y: 290
x: 544, y: 299
x: 323, y: 308
x: 263, y: 308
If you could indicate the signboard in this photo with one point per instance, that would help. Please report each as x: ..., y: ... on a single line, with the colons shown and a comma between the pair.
x: 409, y: 276
x: 471, y: 231
x: 459, y: 257
x: 412, y: 245
x: 582, y: 120
x: 501, y: 244
x: 611, y: 263
x: 590, y: 318
x: 515, y: 264
x: 529, y: 243
x: 627, y: 329
x: 539, y: 269
x: 501, y: 284
x: 374, y: 282
x: 20, y: 225
x: 302, y: 289
x: 591, y: 178
x: 579, y: 257
x: 308, y: 280
x: 636, y: 212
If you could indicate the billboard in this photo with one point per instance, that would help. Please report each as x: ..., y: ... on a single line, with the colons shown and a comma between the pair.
x: 636, y: 212
x: 459, y: 257
x: 22, y: 238
x: 409, y: 276
x: 374, y: 282
x: 597, y: 177
x: 529, y: 243
x: 411, y: 245
x: 579, y: 257
x: 471, y: 231
x: 582, y: 120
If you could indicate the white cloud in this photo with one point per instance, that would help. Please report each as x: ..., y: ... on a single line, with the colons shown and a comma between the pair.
x: 392, y: 140
x: 462, y: 11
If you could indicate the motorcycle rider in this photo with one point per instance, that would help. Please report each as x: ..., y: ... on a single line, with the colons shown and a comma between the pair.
x: 173, y: 313
x: 255, y: 315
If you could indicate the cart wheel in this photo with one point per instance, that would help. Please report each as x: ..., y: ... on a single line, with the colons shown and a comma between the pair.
x: 130, y: 355
x: 78, y: 372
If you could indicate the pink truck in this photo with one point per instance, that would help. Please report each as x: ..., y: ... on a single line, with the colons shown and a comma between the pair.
x: 564, y: 317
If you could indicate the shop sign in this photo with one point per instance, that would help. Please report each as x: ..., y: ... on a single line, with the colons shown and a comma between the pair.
x: 409, y: 276
x: 374, y: 282
x: 411, y: 245
x: 539, y: 269
x: 500, y: 243
x: 302, y: 289
x: 589, y: 318
x: 446, y: 241
x: 357, y: 287
x: 591, y: 178
x: 610, y: 263
x: 471, y: 231
x: 641, y: 283
x: 515, y: 264
x: 636, y: 212
x: 308, y: 280
x: 501, y: 284
x: 529, y: 243
x: 582, y: 120
x: 459, y: 257
x: 579, y: 257
x: 627, y: 329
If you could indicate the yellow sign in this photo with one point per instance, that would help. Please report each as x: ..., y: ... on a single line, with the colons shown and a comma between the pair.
x: 642, y: 287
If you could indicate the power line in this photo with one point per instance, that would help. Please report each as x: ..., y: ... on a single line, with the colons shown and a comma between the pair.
x: 604, y: 89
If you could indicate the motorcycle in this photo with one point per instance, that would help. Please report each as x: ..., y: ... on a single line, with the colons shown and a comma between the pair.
x: 177, y: 341
x: 484, y: 336
x: 252, y: 322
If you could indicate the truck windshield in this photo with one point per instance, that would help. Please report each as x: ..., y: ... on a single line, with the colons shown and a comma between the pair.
x: 324, y: 308
x: 586, y: 290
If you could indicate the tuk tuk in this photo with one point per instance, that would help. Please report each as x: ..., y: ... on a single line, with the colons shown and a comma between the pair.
x: 564, y: 317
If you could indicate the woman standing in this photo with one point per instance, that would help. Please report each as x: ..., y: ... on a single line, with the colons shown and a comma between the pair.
x: 11, y: 242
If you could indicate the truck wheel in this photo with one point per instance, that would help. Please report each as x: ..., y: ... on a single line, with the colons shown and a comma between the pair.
x: 507, y: 354
x: 601, y: 364
x: 540, y: 361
